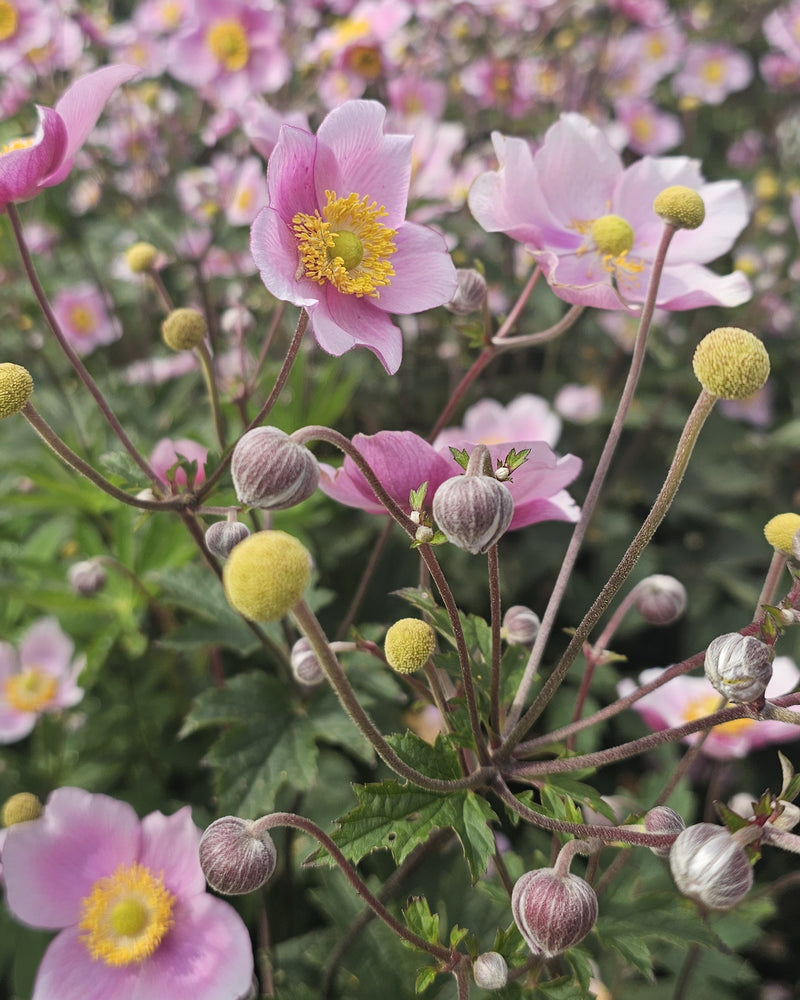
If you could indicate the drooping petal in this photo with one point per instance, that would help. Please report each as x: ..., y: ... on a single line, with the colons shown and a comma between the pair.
x: 22, y: 170
x: 51, y: 863
x: 425, y: 276
x: 273, y: 247
x: 579, y: 280
x: 169, y: 845
x: 341, y: 322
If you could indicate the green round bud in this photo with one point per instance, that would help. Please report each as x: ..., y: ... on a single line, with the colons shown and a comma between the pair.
x: 731, y: 363
x: 20, y: 808
x: 184, y: 329
x: 16, y: 386
x: 408, y: 645
x: 266, y: 574
x: 680, y: 206
x: 141, y: 257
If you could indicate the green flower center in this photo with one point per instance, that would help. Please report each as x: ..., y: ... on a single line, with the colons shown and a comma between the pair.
x: 612, y: 235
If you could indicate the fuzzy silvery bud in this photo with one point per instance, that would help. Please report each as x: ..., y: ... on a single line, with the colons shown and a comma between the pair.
x: 662, y: 819
x: 86, y: 577
x: 470, y: 292
x: 660, y: 599
x: 272, y: 471
x: 709, y: 866
x: 490, y: 971
x: 553, y: 912
x: 305, y: 664
x: 474, y: 510
x: 739, y: 666
x: 520, y: 625
x: 222, y: 536
x: 235, y: 857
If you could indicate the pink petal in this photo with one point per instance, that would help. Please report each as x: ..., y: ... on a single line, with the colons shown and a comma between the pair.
x: 9, y: 663
x: 341, y: 322
x: 51, y: 863
x: 169, y: 846
x: 46, y: 647
x: 68, y: 972
x: 690, y: 286
x: 273, y: 247
x: 22, y: 170
x: 290, y: 174
x: 574, y: 280
x: 727, y: 214
x: 425, y: 276
x: 14, y: 725
x: 509, y: 200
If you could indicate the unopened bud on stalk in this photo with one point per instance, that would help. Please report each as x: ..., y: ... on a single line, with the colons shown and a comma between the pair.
x: 184, y: 329
x: 470, y: 292
x: 20, y: 808
x: 235, y: 857
x: 520, y: 626
x: 305, y: 664
x: 739, y: 666
x: 222, y: 536
x: 680, y: 206
x: 474, y: 510
x: 266, y: 574
x: 709, y: 866
x: 408, y: 645
x: 662, y: 819
x: 140, y: 257
x: 490, y: 971
x: 16, y: 386
x: 731, y: 363
x: 553, y: 912
x: 86, y: 577
x: 660, y: 599
x: 780, y: 532
x: 272, y: 471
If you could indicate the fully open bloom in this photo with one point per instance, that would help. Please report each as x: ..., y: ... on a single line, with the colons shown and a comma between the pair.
x: 129, y: 899
x: 593, y: 230
x: 527, y: 417
x: 684, y: 699
x: 40, y: 676
x: 334, y: 239
x: 82, y: 312
x: 45, y: 158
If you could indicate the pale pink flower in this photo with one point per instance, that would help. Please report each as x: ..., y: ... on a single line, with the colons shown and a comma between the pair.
x: 40, y: 676
x: 526, y: 418
x: 168, y: 451
x: 26, y: 26
x: 83, y: 316
x: 650, y: 130
x: 345, y: 190
x: 248, y: 193
x: 262, y: 124
x: 579, y: 403
x: 44, y: 159
x: 558, y: 209
x: 684, y: 699
x: 781, y: 28
x: 712, y: 71
x: 88, y: 859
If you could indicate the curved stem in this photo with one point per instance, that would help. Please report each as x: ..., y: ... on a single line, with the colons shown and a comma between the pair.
x: 776, y: 568
x: 596, y: 485
x: 566, y: 322
x: 207, y: 366
x: 496, y: 611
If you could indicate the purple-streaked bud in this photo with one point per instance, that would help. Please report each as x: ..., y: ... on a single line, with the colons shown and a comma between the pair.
x: 222, y: 536
x: 662, y: 819
x: 490, y: 971
x: 553, y: 912
x: 739, y: 666
x: 709, y: 866
x: 660, y: 599
x: 520, y: 625
x: 473, y: 510
x: 305, y: 664
x: 470, y: 292
x: 235, y: 857
x: 87, y: 577
x: 272, y: 471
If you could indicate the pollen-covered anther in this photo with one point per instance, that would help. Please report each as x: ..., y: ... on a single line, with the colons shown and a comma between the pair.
x: 731, y: 363
x: 16, y: 386
x: 409, y: 644
x: 612, y: 235
x: 680, y: 206
x: 346, y: 245
x: 780, y: 530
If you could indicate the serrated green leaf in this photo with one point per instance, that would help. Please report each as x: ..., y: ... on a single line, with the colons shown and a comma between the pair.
x: 122, y: 467
x: 421, y: 921
x: 425, y: 977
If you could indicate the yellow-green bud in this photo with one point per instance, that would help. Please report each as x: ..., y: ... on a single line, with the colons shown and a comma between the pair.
x: 780, y: 530
x: 408, y: 645
x: 16, y: 386
x: 141, y: 257
x: 266, y: 574
x: 184, y: 329
x: 612, y: 235
x: 680, y: 206
x: 20, y: 808
x: 731, y: 363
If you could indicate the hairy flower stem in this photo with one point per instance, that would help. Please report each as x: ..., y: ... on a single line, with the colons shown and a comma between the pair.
x: 595, y: 487
x: 771, y: 581
x: 312, y: 630
x: 702, y: 408
x: 566, y: 322
x: 279, y: 819
x: 72, y: 357
x: 496, y: 612
x: 207, y: 366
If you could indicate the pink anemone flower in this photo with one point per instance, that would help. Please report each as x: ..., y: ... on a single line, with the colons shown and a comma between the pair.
x: 40, y: 676
x: 334, y: 239
x: 684, y: 699
x: 129, y: 900
x: 593, y: 230
x: 168, y: 451
x: 45, y: 158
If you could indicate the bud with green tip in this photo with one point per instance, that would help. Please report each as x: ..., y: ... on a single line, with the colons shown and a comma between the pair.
x: 490, y: 971
x: 235, y: 857
x: 473, y: 511
x: 709, y: 866
x: 271, y: 471
x: 739, y: 666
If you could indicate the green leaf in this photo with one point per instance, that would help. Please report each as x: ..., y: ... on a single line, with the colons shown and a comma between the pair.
x: 122, y: 467
x: 421, y: 921
x: 425, y: 977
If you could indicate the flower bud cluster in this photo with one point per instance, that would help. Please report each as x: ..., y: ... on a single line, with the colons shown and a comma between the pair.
x: 271, y: 471
x: 235, y: 857
x: 739, y: 666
